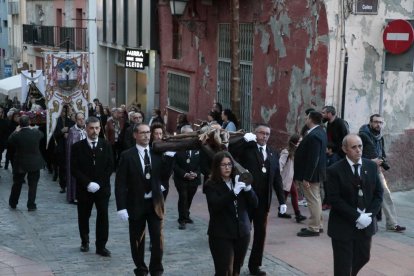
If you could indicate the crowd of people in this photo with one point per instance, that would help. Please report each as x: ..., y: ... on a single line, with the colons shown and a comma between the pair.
x: 323, y: 164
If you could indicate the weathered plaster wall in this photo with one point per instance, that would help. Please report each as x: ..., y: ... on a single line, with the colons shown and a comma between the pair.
x: 363, y: 34
x: 289, y: 63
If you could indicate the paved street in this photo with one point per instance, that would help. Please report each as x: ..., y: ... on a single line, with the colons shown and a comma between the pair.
x: 46, y: 242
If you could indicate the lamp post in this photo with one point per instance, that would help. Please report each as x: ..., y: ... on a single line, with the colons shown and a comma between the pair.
x: 178, y: 7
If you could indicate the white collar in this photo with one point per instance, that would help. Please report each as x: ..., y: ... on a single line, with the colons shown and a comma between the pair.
x: 142, y: 149
x: 351, y: 163
x: 312, y: 128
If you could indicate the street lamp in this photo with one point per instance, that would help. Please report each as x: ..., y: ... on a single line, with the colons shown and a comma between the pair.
x: 178, y: 7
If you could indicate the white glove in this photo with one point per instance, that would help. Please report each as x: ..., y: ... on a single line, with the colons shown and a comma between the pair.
x: 238, y: 186
x: 247, y: 188
x: 93, y: 187
x: 170, y: 153
x: 248, y: 137
x: 283, y: 209
x: 123, y: 214
x: 364, y: 220
x: 360, y: 211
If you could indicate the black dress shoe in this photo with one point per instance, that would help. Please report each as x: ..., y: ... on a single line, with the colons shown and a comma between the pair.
x: 62, y: 191
x: 12, y: 206
x: 84, y: 247
x: 103, y: 252
x: 31, y: 209
x: 285, y: 215
x: 304, y: 229
x: 188, y: 220
x: 307, y: 233
x: 300, y: 218
x: 181, y: 226
x: 257, y: 271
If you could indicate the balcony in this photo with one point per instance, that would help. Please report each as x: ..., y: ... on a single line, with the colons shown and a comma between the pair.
x: 55, y: 36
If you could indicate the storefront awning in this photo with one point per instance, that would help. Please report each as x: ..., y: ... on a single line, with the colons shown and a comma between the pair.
x: 11, y: 86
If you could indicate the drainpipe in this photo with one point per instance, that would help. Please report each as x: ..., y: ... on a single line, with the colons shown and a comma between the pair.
x: 344, y: 60
x: 381, y: 100
x: 345, y: 73
x: 235, y: 59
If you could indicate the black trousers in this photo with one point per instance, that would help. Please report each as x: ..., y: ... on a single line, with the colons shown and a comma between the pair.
x: 18, y: 180
x: 351, y: 256
x: 186, y: 192
x: 102, y: 225
x: 228, y: 254
x: 137, y: 240
x: 259, y: 218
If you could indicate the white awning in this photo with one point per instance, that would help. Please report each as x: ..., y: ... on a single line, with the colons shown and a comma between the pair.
x: 11, y: 86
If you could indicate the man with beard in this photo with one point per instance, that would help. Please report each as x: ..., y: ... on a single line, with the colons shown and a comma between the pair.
x: 373, y: 142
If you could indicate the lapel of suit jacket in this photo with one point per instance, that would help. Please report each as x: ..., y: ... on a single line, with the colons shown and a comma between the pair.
x: 137, y: 161
x: 363, y: 175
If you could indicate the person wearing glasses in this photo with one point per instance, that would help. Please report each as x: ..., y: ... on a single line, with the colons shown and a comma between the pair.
x: 373, y: 141
x: 229, y: 201
x: 262, y: 162
x: 139, y: 199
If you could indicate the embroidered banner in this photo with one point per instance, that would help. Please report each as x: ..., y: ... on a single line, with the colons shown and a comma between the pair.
x: 67, y: 83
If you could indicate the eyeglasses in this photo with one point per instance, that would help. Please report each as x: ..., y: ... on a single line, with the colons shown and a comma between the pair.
x: 144, y: 132
x: 378, y: 122
x: 226, y: 165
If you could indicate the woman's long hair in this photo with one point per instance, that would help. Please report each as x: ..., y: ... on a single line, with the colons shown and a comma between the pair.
x: 215, y: 175
x: 293, y: 141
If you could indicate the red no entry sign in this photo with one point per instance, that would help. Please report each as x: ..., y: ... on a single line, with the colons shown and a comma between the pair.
x: 398, y: 36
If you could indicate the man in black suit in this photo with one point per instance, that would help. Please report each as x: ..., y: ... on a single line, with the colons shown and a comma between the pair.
x: 186, y: 179
x: 92, y: 165
x: 355, y: 193
x: 263, y: 163
x: 310, y: 171
x: 139, y: 198
x: 27, y: 160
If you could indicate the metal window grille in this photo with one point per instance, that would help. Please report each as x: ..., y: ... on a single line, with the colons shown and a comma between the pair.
x: 246, y: 71
x: 178, y: 91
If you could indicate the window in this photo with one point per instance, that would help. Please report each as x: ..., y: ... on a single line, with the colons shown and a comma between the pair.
x: 178, y: 91
x: 246, y: 70
x: 5, y: 23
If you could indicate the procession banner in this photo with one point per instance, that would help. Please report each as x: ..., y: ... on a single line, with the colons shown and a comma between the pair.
x: 67, y: 83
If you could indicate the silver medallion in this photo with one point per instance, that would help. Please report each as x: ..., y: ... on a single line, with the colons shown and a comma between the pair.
x: 147, y: 175
x: 188, y: 160
x: 360, y: 193
x: 264, y: 170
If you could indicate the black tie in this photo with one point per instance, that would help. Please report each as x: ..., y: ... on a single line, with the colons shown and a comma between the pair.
x: 261, y: 153
x: 93, y: 145
x: 147, y: 172
x: 360, y: 197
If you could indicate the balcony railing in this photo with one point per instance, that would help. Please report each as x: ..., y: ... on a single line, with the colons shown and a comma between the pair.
x: 55, y: 36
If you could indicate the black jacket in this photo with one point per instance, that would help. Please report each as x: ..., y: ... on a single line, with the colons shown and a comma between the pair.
x: 227, y: 220
x: 343, y: 198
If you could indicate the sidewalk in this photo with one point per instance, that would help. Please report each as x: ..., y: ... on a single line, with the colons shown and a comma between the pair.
x: 46, y: 242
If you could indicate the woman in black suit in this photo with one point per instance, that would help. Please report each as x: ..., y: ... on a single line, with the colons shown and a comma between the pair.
x: 229, y: 227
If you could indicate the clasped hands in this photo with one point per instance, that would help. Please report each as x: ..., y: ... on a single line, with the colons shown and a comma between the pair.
x: 238, y: 186
x: 93, y: 187
x: 364, y: 219
x: 190, y: 175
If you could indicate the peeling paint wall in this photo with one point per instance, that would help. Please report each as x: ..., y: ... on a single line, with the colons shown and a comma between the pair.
x: 363, y: 35
x: 289, y: 61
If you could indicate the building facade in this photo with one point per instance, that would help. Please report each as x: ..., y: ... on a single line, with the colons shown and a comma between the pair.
x: 127, y: 24
x: 283, y: 61
x: 3, y: 39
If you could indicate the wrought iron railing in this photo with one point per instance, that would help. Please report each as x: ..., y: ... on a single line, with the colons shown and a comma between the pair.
x: 55, y: 36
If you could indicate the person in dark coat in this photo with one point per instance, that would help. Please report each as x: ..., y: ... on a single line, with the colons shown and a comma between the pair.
x: 187, y: 178
x: 229, y: 202
x: 139, y: 199
x: 262, y: 162
x: 355, y: 193
x: 27, y: 161
x: 92, y: 166
x: 336, y: 128
x: 310, y: 171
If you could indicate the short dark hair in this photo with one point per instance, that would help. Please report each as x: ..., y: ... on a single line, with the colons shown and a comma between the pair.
x: 330, y: 109
x: 136, y: 126
x: 331, y: 145
x: 92, y: 119
x: 215, y: 175
x: 371, y: 118
x: 309, y: 110
x: 316, y: 117
x: 24, y: 121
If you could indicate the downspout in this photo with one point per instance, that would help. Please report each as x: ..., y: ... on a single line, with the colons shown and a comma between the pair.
x: 344, y: 58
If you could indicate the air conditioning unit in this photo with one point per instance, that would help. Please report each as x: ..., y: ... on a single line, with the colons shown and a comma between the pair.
x: 13, y: 8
